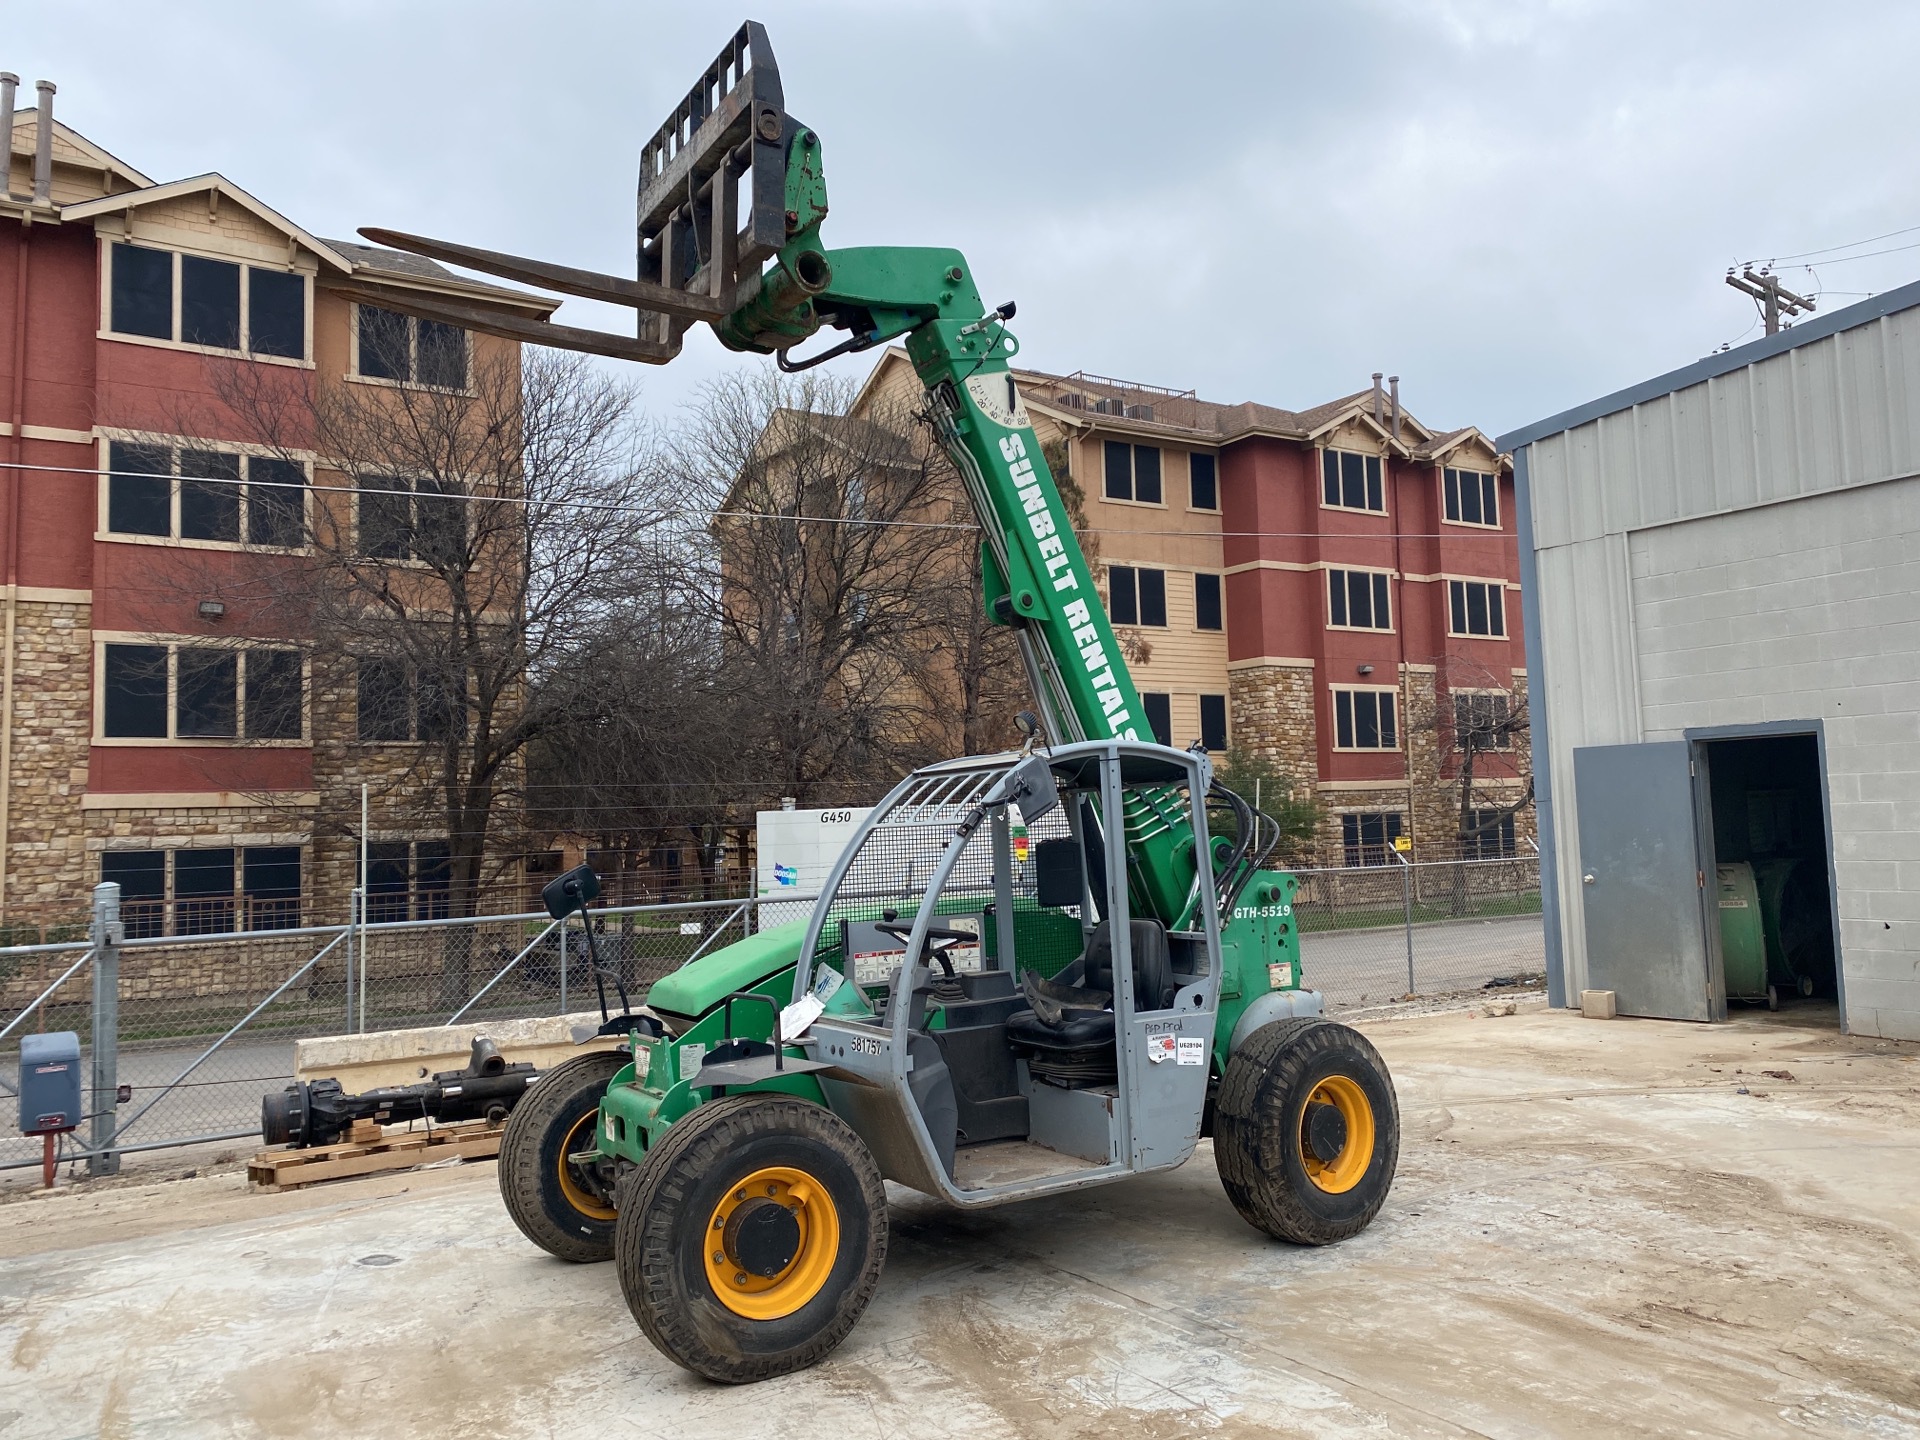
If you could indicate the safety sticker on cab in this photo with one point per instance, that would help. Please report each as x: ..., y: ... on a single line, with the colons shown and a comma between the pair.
x: 1193, y: 1050
x: 1160, y: 1048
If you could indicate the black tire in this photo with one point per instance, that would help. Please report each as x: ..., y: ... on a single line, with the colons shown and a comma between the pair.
x: 1282, y: 1175
x: 554, y: 1116
x: 671, y: 1206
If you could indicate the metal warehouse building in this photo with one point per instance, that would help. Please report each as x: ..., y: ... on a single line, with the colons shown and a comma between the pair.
x: 1721, y: 569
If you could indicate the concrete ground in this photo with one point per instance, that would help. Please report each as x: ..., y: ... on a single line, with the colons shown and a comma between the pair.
x: 1599, y: 1228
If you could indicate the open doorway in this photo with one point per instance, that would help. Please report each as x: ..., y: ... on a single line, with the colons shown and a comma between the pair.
x: 1772, y: 874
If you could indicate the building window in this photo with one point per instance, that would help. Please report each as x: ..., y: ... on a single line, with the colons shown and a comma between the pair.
x: 409, y: 880
x: 187, y: 493
x: 1206, y: 602
x: 397, y: 703
x: 1133, y: 472
x: 412, y: 520
x: 205, y: 892
x: 1364, y: 720
x: 270, y: 886
x: 223, y: 305
x: 1159, y: 710
x: 1350, y: 481
x: 142, y: 878
x: 1473, y: 498
x: 1136, y: 596
x: 1494, y: 842
x: 408, y: 351
x: 1481, y: 720
x: 1213, y: 722
x: 136, y: 691
x: 1358, y: 600
x: 1368, y: 839
x: 188, y: 692
x: 1203, y: 482
x: 1476, y: 607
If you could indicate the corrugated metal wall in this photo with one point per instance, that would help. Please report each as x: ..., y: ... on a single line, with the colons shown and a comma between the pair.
x: 1730, y: 553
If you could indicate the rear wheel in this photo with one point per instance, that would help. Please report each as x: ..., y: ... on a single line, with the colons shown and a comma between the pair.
x: 1307, y: 1131
x: 751, y: 1240
x: 555, y: 1205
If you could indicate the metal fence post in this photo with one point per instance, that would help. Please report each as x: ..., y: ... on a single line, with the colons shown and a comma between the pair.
x: 353, y: 902
x: 1406, y: 891
x: 106, y: 932
x: 565, y: 945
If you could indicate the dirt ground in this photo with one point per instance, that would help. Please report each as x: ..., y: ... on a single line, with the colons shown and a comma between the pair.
x: 1599, y: 1228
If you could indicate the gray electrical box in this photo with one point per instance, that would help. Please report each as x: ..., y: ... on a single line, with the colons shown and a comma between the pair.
x: 50, y: 1083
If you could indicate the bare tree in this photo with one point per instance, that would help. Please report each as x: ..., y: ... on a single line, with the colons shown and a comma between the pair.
x: 830, y: 536
x: 1477, y: 729
x: 463, y: 544
x: 650, y: 756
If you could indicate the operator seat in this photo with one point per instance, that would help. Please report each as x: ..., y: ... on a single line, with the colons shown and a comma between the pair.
x: 1067, y: 1039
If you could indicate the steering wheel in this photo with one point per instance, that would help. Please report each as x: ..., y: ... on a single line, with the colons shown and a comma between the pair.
x: 954, y: 940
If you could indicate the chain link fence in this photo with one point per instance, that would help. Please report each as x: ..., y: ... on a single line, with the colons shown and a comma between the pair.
x: 1374, y: 933
x: 203, y: 1025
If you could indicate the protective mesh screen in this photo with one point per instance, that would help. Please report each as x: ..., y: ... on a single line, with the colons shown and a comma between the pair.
x: 897, y: 860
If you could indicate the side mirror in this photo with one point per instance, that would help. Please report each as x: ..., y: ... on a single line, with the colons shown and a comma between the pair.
x: 1031, y: 787
x: 575, y: 890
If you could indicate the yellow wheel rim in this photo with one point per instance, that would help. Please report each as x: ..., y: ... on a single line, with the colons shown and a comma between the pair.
x: 577, y: 1195
x: 1349, y: 1164
x: 772, y: 1297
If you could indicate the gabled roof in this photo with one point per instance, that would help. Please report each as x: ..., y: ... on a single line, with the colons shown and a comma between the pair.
x: 375, y: 268
x: 200, y: 185
x: 94, y: 155
x: 1185, y: 417
x: 1440, y: 446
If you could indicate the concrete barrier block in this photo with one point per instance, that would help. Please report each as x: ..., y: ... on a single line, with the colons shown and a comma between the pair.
x: 406, y: 1057
x: 1597, y: 1004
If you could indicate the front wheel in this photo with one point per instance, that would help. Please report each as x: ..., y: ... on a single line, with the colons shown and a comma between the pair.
x: 751, y: 1240
x: 1307, y: 1131
x: 555, y: 1205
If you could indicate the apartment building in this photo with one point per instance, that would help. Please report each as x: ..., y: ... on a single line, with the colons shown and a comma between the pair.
x: 1335, y: 589
x: 151, y: 734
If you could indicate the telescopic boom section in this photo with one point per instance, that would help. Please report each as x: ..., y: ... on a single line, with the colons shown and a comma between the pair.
x: 732, y: 180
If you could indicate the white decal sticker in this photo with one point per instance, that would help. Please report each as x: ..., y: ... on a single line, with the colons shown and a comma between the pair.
x: 1193, y: 1050
x: 1280, y: 974
x: 689, y: 927
x: 827, y: 983
x: 999, y: 400
x: 1160, y: 1048
x: 690, y: 1059
x: 795, y: 1019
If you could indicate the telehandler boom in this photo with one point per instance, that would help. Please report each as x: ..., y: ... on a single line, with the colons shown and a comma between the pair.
x: 979, y: 1019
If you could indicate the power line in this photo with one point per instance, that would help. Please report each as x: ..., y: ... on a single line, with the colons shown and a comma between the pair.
x: 658, y: 517
x: 1831, y: 249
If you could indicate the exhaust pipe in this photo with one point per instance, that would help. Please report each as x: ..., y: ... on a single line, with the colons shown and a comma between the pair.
x: 43, y: 146
x: 9, y: 82
x: 1393, y: 392
x: 1378, y: 418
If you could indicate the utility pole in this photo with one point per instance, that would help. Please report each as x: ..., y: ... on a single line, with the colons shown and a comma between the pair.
x: 1774, y: 299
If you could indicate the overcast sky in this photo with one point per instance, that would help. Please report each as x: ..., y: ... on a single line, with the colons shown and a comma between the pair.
x: 1514, y: 206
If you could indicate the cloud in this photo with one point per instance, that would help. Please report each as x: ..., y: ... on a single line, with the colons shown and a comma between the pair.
x: 1515, y: 206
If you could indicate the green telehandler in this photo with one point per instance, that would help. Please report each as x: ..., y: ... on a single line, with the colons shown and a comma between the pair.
x: 1027, y: 973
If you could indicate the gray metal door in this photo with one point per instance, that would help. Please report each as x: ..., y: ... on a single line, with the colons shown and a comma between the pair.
x: 1640, y: 879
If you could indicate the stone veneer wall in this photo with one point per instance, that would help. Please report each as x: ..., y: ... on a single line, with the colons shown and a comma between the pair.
x: 1275, y: 716
x: 1271, y: 708
x: 47, y: 878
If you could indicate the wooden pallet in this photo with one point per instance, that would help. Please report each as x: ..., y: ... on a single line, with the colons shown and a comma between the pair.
x: 364, y: 1154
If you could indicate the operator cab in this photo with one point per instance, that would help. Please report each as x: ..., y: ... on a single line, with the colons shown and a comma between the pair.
x: 1003, y: 1007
